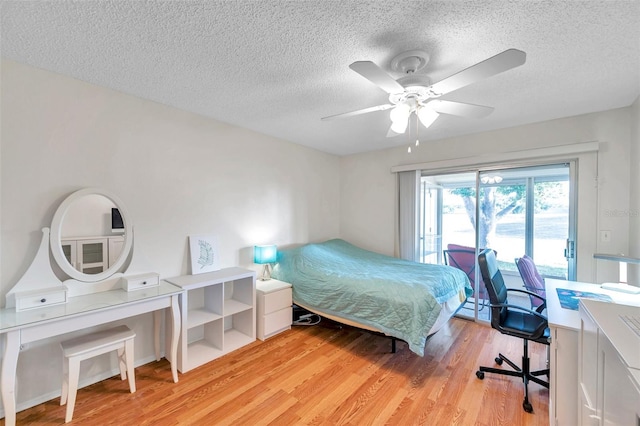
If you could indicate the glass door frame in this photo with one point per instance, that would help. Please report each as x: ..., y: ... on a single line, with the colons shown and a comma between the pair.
x: 571, y: 243
x: 572, y: 214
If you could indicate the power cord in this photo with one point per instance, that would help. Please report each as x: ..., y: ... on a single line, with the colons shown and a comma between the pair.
x: 308, y: 319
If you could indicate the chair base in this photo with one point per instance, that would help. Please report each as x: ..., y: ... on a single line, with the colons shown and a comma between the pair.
x: 524, y: 373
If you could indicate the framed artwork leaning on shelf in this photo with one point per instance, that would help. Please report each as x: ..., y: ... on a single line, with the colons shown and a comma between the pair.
x: 204, y: 253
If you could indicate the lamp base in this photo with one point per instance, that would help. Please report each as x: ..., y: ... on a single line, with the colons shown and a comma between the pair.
x: 266, y: 272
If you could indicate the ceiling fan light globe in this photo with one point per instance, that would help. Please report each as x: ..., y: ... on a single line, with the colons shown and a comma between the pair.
x: 427, y: 116
x: 400, y: 118
x: 400, y: 112
x: 399, y: 126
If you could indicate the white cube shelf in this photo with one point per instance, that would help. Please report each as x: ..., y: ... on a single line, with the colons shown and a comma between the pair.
x: 218, y: 314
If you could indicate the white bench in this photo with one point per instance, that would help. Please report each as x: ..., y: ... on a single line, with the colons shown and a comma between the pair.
x: 84, y: 347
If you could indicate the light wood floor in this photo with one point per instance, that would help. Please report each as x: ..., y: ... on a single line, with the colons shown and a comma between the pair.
x: 323, y: 375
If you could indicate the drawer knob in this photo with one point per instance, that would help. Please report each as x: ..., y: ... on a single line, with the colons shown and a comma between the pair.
x: 144, y: 282
x: 43, y: 300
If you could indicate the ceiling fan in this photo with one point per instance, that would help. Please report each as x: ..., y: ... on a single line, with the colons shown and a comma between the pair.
x: 414, y: 93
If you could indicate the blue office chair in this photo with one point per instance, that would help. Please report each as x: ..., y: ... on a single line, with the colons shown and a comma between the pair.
x: 512, y: 320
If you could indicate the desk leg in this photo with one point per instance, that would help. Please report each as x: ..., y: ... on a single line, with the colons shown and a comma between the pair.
x: 175, y: 334
x: 157, y: 317
x: 8, y: 383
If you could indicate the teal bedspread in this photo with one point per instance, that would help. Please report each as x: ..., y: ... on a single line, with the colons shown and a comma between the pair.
x: 398, y: 297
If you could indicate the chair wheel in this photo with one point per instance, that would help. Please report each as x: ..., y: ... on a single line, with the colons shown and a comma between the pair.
x: 527, y: 406
x: 480, y: 374
x: 498, y: 360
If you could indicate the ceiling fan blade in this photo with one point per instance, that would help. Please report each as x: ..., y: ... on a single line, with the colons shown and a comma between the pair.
x: 391, y: 133
x: 377, y: 76
x: 460, y: 108
x: 358, y: 112
x: 489, y: 67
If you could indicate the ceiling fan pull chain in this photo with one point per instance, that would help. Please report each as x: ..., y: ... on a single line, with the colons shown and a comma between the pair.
x: 417, y: 136
x: 417, y: 132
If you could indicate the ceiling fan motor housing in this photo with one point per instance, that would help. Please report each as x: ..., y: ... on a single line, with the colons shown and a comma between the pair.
x: 415, y: 87
x: 410, y: 61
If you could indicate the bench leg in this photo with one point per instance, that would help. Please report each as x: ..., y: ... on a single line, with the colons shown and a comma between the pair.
x: 65, y: 381
x: 74, y: 374
x: 128, y: 353
x: 122, y: 355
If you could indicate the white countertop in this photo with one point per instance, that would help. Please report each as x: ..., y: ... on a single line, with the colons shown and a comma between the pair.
x: 77, y: 305
x: 570, y: 319
x: 269, y: 286
x: 190, y: 282
x: 607, y: 316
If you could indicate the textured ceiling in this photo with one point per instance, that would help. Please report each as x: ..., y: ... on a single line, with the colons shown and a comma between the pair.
x: 277, y: 67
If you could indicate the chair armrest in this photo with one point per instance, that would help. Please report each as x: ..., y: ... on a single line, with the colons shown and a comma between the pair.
x: 530, y: 293
x: 540, y: 308
x: 520, y: 308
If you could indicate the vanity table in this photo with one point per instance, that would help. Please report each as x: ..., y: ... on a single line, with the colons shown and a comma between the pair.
x: 81, y: 312
x: 41, y: 306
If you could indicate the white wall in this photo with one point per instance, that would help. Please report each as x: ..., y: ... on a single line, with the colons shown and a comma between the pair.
x: 178, y: 174
x: 369, y: 196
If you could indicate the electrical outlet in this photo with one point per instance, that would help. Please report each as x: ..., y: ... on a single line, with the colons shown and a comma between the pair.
x: 605, y: 236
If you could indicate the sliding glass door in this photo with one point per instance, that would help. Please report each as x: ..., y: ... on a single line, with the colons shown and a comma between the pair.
x: 527, y: 211
x: 514, y: 211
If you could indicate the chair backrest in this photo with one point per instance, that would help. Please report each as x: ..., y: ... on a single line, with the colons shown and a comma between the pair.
x: 515, y: 321
x: 463, y: 258
x: 531, y: 278
x: 493, y: 281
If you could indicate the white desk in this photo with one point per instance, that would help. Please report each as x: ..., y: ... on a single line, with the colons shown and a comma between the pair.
x: 78, y: 313
x: 565, y: 327
x: 609, y: 357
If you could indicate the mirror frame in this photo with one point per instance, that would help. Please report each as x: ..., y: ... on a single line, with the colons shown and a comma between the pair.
x: 56, y: 236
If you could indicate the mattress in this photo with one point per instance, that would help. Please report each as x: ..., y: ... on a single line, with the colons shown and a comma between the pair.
x: 397, y: 297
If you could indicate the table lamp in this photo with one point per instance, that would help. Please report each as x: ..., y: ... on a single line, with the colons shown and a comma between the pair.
x: 265, y: 255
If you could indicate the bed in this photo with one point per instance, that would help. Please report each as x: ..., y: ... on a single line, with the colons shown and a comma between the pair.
x: 405, y: 300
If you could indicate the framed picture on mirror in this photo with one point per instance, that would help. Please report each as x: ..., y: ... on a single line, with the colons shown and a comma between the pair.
x: 204, y: 253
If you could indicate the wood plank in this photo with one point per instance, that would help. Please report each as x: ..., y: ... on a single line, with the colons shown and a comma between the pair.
x: 327, y: 374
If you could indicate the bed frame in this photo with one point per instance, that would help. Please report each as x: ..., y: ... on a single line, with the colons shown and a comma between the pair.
x: 457, y: 301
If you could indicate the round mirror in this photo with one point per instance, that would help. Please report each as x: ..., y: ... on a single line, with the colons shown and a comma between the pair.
x: 91, y: 235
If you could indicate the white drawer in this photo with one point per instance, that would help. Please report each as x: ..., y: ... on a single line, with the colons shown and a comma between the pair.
x: 38, y: 300
x: 274, y: 301
x: 139, y: 282
x: 275, y: 322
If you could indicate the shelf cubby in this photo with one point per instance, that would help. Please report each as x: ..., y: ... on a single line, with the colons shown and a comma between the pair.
x: 218, y: 314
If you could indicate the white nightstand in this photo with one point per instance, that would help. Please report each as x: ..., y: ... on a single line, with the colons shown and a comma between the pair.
x: 274, y: 307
